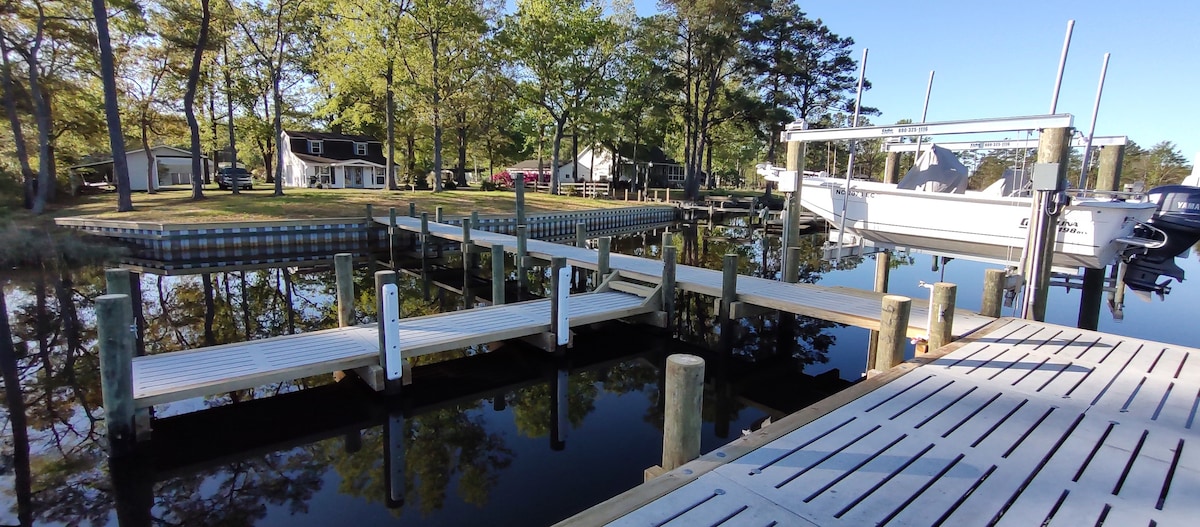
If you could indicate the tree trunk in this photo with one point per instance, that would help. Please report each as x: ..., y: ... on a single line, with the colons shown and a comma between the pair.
x: 233, y: 157
x: 41, y: 111
x: 189, y: 101
x: 10, y: 107
x: 276, y: 79
x: 151, y: 180
x: 410, y: 158
x: 17, y: 420
x: 559, y: 126
x: 390, y: 114
x: 461, y: 172
x: 437, y: 118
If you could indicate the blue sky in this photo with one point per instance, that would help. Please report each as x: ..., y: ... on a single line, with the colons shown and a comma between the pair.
x: 999, y: 59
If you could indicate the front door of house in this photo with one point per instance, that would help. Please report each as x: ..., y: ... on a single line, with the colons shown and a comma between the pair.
x: 354, y: 177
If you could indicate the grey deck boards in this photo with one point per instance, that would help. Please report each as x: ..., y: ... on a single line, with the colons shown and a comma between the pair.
x: 181, y: 375
x: 837, y: 304
x: 1028, y: 424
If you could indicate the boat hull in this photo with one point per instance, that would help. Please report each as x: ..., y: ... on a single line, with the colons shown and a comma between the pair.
x: 972, y: 225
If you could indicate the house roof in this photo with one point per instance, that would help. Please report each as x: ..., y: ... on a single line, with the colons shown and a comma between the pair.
x: 338, y: 162
x: 329, y: 136
x: 107, y: 160
x: 644, y: 153
x: 532, y: 164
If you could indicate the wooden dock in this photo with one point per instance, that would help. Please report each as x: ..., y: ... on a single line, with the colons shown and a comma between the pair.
x: 1022, y: 423
x: 176, y: 376
x: 836, y: 304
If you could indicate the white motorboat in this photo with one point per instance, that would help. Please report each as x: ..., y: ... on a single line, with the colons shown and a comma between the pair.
x: 985, y: 225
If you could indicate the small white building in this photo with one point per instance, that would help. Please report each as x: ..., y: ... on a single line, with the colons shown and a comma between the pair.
x: 328, y: 160
x: 623, y: 162
x: 171, y: 166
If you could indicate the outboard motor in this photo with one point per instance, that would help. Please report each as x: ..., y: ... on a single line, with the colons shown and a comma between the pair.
x: 1178, y: 219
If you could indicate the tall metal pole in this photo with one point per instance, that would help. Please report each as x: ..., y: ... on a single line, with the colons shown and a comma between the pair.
x: 862, y: 73
x: 1087, y: 146
x: 1062, y: 65
x: 924, y: 113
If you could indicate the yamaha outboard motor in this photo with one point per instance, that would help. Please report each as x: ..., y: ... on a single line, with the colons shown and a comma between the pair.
x: 1178, y: 219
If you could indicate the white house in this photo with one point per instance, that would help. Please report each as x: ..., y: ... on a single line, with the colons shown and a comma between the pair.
x: 328, y: 160
x: 624, y: 162
x: 172, y: 166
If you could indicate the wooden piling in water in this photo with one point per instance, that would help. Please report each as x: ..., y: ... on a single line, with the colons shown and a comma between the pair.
x: 519, y: 189
x: 791, y: 265
x: 522, y: 274
x: 1090, y: 300
x: 343, y: 270
x: 117, y: 282
x: 383, y: 307
x: 439, y: 214
x: 412, y: 209
x: 942, y: 309
x: 602, y: 259
x: 116, y: 335
x: 1053, y: 147
x: 791, y: 223
x: 891, y: 167
x: 728, y: 285
x: 560, y: 289
x: 668, y: 285
x: 893, y: 329
x: 581, y: 234
x: 993, y: 293
x: 497, y: 274
x: 393, y: 237
x: 682, y: 420
x: 1108, y: 174
x: 883, y: 271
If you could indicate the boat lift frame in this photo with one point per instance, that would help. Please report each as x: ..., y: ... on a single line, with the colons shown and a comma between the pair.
x: 795, y: 132
x: 1007, y: 144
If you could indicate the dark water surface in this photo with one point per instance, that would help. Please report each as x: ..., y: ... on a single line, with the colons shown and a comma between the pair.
x: 479, y: 439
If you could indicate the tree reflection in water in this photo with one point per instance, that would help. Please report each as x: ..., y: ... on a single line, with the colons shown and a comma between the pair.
x: 451, y: 451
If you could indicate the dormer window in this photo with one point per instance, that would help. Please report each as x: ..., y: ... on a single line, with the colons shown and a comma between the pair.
x: 360, y: 149
x: 316, y: 147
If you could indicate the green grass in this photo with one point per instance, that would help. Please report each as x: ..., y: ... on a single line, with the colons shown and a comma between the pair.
x: 176, y: 206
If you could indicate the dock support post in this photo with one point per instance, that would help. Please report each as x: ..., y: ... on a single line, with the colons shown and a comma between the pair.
x: 581, y: 234
x: 993, y: 293
x: 116, y: 332
x: 117, y: 282
x: 1053, y: 147
x: 519, y: 188
x: 728, y: 285
x: 467, y: 249
x: 1089, y: 302
x: 684, y: 397
x: 393, y: 235
x: 668, y: 239
x: 497, y: 274
x: 1108, y: 175
x: 412, y: 209
x: 893, y: 330
x: 668, y: 286
x: 941, y: 322
x: 605, y: 246
x: 439, y: 214
x: 883, y: 271
x: 891, y: 167
x: 791, y: 223
x: 560, y: 288
x: 343, y: 270
x: 388, y: 308
x: 522, y: 274
x: 791, y: 265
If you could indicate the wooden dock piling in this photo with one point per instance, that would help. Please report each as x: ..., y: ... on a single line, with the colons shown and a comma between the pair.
x: 729, y: 277
x: 519, y: 189
x: 581, y: 234
x: 1108, y: 174
x: 1090, y: 300
x: 343, y: 268
x: 669, y: 256
x: 791, y: 223
x: 993, y: 293
x: 605, y: 246
x: 522, y: 274
x: 379, y: 380
x: 892, y: 340
x: 497, y: 274
x: 684, y: 398
x: 412, y: 209
x: 791, y: 265
x: 116, y: 336
x: 1053, y: 147
x: 117, y: 282
x: 560, y: 289
x: 439, y: 214
x: 393, y: 237
x: 942, y: 310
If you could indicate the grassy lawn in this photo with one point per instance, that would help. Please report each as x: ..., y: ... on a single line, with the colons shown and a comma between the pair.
x: 176, y: 206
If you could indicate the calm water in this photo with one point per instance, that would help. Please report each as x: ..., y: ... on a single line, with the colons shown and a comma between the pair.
x: 480, y: 439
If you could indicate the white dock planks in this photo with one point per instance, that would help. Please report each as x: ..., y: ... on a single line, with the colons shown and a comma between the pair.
x: 1028, y: 424
x: 837, y: 304
x: 181, y: 375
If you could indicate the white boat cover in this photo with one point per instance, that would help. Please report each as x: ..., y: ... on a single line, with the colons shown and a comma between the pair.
x: 1194, y: 179
x: 937, y: 170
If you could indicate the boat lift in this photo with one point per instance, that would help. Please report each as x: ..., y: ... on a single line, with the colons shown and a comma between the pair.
x: 1006, y: 144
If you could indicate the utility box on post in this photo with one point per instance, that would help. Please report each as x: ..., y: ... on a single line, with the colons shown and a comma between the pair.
x: 1045, y: 177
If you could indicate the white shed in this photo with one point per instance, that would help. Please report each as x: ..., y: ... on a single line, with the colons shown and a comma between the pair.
x: 172, y: 166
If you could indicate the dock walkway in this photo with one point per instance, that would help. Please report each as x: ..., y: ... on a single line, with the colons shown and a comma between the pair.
x: 836, y: 304
x: 1022, y: 423
x: 181, y: 375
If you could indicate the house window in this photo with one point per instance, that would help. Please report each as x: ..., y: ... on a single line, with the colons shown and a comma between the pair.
x: 325, y: 175
x: 380, y: 176
x: 360, y: 149
x: 316, y: 147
